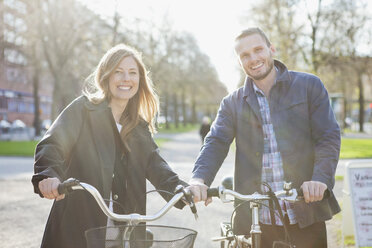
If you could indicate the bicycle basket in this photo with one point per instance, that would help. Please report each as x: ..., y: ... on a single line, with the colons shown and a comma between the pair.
x: 159, y: 237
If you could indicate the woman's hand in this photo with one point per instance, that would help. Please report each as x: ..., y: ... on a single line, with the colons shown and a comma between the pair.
x: 49, y: 188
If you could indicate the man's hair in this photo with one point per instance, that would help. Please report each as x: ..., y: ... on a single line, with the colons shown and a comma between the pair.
x: 252, y: 31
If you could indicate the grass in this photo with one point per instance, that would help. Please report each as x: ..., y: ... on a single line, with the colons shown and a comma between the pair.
x: 356, y: 148
x: 17, y: 148
x: 350, y: 148
x: 27, y: 148
x: 339, y: 178
x: 161, y: 141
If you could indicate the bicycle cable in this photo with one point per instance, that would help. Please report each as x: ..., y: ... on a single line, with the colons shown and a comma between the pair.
x: 273, y: 197
x: 109, y: 201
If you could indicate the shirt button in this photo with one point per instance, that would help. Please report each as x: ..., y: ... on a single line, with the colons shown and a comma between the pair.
x: 116, y: 197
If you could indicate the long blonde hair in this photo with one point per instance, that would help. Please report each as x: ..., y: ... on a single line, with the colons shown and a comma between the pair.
x: 143, y: 105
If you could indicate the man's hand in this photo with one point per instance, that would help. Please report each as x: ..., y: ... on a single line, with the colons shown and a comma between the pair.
x: 49, y: 188
x: 199, y: 191
x: 313, y: 191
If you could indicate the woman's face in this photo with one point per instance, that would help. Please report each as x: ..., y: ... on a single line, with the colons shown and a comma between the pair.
x: 124, y: 81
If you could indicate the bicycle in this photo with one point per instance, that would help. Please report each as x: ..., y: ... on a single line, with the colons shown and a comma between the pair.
x: 135, y: 234
x: 256, y: 200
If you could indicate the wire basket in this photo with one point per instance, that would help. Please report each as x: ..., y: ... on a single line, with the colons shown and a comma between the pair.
x: 140, y: 236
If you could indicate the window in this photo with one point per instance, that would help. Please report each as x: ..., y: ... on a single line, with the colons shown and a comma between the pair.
x: 14, y: 56
x: 12, y: 105
x: 15, y: 4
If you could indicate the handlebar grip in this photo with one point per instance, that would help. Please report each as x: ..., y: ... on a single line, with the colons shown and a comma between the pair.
x: 66, y: 186
x: 213, y: 192
x: 326, y: 194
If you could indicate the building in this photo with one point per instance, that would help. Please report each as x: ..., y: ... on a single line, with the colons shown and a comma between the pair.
x: 16, y: 89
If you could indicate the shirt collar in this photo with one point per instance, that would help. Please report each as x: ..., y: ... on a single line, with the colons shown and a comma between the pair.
x: 281, y: 77
x: 258, y: 90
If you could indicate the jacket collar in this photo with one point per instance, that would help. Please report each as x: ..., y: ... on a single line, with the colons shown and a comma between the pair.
x: 94, y: 107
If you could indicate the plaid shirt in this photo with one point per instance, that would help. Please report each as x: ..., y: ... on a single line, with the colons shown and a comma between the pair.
x: 272, y: 164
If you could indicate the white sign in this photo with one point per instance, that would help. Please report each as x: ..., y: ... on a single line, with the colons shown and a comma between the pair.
x: 360, y: 181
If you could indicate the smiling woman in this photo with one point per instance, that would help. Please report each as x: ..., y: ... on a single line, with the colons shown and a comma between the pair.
x: 104, y: 139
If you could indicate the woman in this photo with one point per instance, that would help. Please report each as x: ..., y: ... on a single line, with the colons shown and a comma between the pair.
x: 102, y: 138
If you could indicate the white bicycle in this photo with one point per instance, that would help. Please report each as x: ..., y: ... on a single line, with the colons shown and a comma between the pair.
x: 133, y: 234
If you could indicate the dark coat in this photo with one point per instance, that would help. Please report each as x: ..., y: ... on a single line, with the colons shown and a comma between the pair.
x: 80, y: 144
x: 306, y: 131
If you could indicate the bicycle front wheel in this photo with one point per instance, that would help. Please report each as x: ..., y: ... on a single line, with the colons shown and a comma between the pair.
x: 158, y: 237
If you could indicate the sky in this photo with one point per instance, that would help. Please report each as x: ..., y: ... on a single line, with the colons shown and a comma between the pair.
x: 214, y: 24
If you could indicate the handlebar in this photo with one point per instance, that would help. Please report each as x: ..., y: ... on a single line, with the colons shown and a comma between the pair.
x: 73, y: 184
x: 291, y: 195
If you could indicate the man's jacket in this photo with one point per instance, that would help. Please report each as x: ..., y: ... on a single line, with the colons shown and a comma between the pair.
x: 307, y: 134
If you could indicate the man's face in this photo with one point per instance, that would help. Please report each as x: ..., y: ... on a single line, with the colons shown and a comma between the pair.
x: 255, y: 57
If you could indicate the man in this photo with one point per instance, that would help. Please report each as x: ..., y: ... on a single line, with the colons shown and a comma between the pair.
x: 285, y: 131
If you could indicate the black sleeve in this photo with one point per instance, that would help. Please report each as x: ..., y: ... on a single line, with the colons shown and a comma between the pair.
x: 53, y: 151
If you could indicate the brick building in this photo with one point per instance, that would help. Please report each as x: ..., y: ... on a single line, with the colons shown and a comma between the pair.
x: 16, y: 88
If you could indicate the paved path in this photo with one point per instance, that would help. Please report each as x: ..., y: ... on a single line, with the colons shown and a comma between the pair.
x: 23, y: 214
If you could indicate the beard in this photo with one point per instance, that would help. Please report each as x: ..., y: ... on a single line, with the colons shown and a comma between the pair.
x: 264, y: 74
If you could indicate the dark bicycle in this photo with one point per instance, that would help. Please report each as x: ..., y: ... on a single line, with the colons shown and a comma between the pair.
x: 229, y: 239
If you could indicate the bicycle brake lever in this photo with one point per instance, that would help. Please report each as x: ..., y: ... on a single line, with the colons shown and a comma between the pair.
x: 189, y: 200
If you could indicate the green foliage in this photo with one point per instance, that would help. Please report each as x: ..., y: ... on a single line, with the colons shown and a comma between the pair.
x: 356, y: 148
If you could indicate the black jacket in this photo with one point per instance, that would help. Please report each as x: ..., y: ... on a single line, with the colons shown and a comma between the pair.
x: 80, y: 144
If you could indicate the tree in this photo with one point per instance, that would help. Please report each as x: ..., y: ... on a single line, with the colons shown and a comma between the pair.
x: 351, y: 28
x: 278, y: 19
x: 327, y: 37
x: 65, y: 34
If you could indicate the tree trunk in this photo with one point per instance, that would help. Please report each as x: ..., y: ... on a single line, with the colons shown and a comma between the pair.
x: 345, y: 110
x: 361, y: 103
x: 176, y: 116
x: 35, y: 82
x: 193, y: 109
x: 183, y: 103
x: 56, y: 99
x: 166, y: 103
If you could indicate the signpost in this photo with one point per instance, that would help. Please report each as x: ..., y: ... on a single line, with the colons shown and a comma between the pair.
x: 359, y: 176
